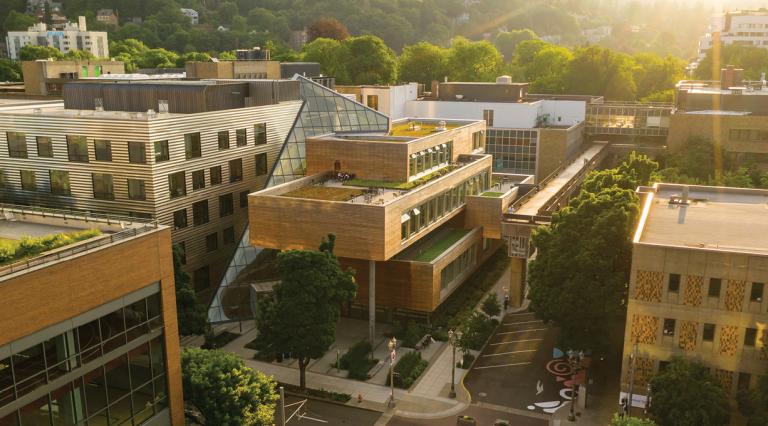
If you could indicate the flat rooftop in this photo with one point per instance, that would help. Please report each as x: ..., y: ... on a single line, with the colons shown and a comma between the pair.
x: 714, y: 218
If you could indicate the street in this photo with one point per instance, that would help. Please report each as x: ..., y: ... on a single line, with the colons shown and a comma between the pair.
x: 483, y: 415
x: 315, y: 412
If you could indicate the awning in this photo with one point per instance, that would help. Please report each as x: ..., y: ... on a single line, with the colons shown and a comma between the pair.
x: 444, y: 146
x: 405, y: 218
x: 416, y: 212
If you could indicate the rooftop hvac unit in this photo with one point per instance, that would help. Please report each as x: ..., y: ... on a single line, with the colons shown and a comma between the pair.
x: 98, y: 104
x: 162, y: 106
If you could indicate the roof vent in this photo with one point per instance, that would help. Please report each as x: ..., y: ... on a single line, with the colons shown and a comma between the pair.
x: 162, y: 106
x: 440, y: 126
x: 459, y: 97
x: 503, y: 79
x: 151, y: 113
x: 98, y: 104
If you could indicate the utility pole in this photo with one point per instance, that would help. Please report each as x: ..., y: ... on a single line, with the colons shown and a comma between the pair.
x: 282, y: 406
x: 632, y: 360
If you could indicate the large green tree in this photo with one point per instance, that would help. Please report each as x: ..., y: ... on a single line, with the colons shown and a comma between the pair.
x: 473, y: 60
x: 192, y: 315
x: 423, y: 63
x: 302, y: 317
x: 16, y: 21
x: 507, y: 41
x: 753, y: 59
x: 225, y: 391
x: 9, y: 70
x: 370, y: 61
x: 327, y: 28
x: 653, y: 73
x: 331, y: 55
x: 685, y: 394
x: 753, y: 403
x: 33, y: 53
x: 599, y: 71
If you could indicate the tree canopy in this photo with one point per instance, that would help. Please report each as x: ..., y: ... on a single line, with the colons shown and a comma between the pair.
x: 753, y: 403
x: 423, y: 63
x: 301, y: 319
x: 473, y: 61
x: 685, y: 394
x: 225, y: 391
x: 192, y: 315
x: 327, y: 28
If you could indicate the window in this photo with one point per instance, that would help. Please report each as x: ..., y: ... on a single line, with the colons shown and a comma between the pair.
x: 212, y: 242
x: 17, y: 144
x: 709, y: 333
x: 180, y: 219
x: 28, y: 180
x: 200, y: 212
x: 242, y: 137
x: 198, y: 179
x: 260, y: 133
x: 714, y: 287
x: 44, y: 146
x: 756, y: 295
x: 226, y: 205
x: 236, y: 170
x: 215, y: 175
x: 224, y: 139
x: 102, y: 150
x: 244, y: 199
x: 488, y: 117
x: 77, y: 148
x: 136, y: 153
x: 161, y: 151
x: 477, y: 140
x: 202, y: 278
x: 192, y: 145
x: 136, y: 189
x: 261, y: 164
x: 177, y: 184
x: 750, y: 337
x: 228, y: 235
x: 60, y: 182
x: 102, y: 186
x: 674, y: 283
x: 669, y: 327
x: 372, y: 101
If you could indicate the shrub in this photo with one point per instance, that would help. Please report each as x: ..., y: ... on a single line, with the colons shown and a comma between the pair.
x: 408, y: 370
x: 475, y: 331
x: 29, y: 246
x: 317, y: 393
x: 410, y: 334
x: 491, y: 305
x: 357, y: 362
x: 360, y: 349
x: 466, y: 360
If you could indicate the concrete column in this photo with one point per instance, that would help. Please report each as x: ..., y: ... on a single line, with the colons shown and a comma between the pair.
x: 517, y: 279
x: 372, y: 301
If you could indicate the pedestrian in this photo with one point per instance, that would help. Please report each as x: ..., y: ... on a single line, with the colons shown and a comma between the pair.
x: 506, y: 301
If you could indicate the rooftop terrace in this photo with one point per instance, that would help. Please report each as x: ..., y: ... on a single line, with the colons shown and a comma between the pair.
x: 419, y: 129
x: 713, y: 218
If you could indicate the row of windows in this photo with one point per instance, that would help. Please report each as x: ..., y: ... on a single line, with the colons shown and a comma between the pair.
x: 512, y: 150
x: 748, y: 135
x: 127, y: 390
x: 212, y: 239
x: 28, y: 369
x: 708, y: 332
x: 77, y: 146
x: 200, y: 210
x: 715, y: 287
x: 466, y: 260
x: 418, y: 218
x: 103, y: 186
x: 177, y: 182
x: 430, y: 157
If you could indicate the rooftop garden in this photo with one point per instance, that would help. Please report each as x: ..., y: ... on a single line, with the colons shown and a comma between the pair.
x: 491, y: 194
x: 369, y: 183
x: 417, y: 129
x: 15, y: 250
x: 326, y: 193
x: 437, y: 246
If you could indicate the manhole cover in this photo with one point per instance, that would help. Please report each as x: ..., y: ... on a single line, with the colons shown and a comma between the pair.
x: 482, y: 394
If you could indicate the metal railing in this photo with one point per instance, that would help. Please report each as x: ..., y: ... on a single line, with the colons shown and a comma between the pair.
x: 143, y: 225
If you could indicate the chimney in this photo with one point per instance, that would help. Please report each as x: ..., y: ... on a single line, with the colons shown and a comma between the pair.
x: 435, y: 87
x: 730, y: 76
x: 81, y: 23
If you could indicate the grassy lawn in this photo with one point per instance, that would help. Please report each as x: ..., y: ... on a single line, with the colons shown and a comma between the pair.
x: 441, y: 246
x: 426, y: 129
x: 492, y: 194
x: 324, y: 193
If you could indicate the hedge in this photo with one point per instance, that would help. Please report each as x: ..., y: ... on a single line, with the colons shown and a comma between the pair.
x: 357, y: 362
x: 29, y: 246
x: 408, y: 370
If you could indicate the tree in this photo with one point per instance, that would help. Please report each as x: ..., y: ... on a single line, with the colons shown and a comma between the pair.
x: 473, y: 61
x: 507, y: 42
x: 327, y: 28
x: 491, y: 305
x: 630, y: 421
x: 192, y: 315
x: 370, y: 61
x: 331, y: 55
x: 423, y: 63
x: 753, y: 59
x: 685, y: 394
x: 225, y: 391
x: 301, y: 319
x: 753, y: 403
x: 192, y: 56
x: 579, y: 277
x: 9, y: 70
x: 653, y: 73
x: 79, y: 55
x: 547, y: 69
x: 33, y: 53
x: 16, y: 21
x: 600, y: 71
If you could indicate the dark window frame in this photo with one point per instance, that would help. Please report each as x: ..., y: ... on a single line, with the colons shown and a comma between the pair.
x: 261, y: 164
x: 48, y: 150
x: 192, y: 146
x: 750, y: 337
x: 105, y: 152
x: 24, y: 187
x: 673, y: 283
x: 715, y: 283
x: 183, y: 187
x: 260, y: 133
x: 228, y: 235
x: 162, y: 152
x: 244, y: 199
x: 226, y: 205
x: 216, y: 175
x: 200, y: 213
x: 137, y: 149
x: 198, y: 179
x: 239, y: 176
x: 103, y: 195
x: 223, y: 139
x: 212, y: 242
x: 17, y: 152
x: 180, y: 220
x: 75, y: 144
x: 241, y: 137
x: 67, y: 189
x: 142, y: 193
x: 756, y: 292
x: 708, y: 332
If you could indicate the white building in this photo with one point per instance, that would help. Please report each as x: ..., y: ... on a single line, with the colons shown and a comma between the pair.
x: 192, y: 14
x: 747, y: 27
x: 72, y: 37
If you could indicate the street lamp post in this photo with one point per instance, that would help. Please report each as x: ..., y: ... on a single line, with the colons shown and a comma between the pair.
x: 574, y: 359
x: 453, y: 338
x: 392, y: 345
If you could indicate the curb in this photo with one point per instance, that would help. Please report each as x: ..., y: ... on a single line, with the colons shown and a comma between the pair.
x: 330, y: 401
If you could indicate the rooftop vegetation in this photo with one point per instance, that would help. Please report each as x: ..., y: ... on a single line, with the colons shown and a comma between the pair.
x: 326, y: 193
x: 12, y: 250
x: 370, y: 183
x: 492, y: 194
x: 440, y: 245
x: 417, y: 129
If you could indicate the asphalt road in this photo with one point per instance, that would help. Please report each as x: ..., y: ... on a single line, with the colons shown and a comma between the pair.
x: 517, y: 368
x: 319, y: 413
x: 484, y: 416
